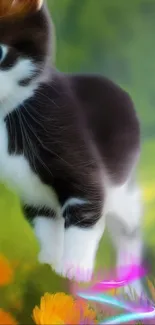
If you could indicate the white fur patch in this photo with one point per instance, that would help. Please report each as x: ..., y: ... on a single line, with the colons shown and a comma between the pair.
x: 11, y: 93
x: 50, y: 233
x: 72, y: 202
x: 16, y: 172
x: 125, y: 204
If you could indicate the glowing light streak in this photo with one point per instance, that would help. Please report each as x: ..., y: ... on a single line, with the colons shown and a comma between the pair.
x: 136, y: 312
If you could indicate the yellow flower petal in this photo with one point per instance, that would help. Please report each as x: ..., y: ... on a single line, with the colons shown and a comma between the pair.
x: 62, y: 309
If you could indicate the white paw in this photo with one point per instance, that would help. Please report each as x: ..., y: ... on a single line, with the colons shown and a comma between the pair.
x: 80, y: 246
x: 81, y: 271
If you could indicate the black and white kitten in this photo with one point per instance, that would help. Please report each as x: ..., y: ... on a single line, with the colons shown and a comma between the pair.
x: 69, y: 145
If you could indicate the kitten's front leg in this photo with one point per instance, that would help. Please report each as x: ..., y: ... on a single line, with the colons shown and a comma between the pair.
x: 49, y: 230
x: 50, y: 233
x: 84, y: 225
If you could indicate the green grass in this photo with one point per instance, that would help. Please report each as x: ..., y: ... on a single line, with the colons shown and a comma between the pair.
x: 17, y: 240
x: 146, y: 174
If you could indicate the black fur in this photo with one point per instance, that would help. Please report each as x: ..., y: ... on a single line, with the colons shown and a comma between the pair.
x: 31, y: 212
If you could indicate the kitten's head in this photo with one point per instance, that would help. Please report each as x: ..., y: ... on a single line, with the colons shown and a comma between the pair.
x: 25, y: 45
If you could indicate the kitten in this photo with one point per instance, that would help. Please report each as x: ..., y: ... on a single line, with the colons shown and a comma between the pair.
x: 69, y: 145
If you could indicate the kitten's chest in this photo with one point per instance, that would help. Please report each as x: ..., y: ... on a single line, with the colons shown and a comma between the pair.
x: 17, y: 174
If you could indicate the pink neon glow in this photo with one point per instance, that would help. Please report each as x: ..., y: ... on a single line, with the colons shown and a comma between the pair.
x: 133, y: 273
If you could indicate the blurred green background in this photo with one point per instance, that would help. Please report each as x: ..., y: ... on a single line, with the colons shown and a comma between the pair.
x: 117, y: 39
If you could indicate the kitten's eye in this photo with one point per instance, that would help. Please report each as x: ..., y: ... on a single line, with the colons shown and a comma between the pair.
x: 3, y: 52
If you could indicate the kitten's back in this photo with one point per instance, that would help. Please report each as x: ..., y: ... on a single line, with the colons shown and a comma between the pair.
x: 112, y: 121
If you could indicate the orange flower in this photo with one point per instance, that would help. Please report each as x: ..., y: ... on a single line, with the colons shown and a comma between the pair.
x: 6, y: 318
x: 6, y: 271
x: 62, y: 309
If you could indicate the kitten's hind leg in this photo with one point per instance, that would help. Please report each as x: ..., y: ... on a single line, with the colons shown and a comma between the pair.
x: 124, y: 224
x: 50, y: 234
